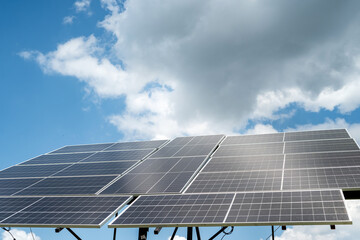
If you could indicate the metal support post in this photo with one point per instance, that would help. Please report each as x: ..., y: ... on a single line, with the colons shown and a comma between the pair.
x: 216, y: 234
x: 157, y: 230
x: 198, y: 233
x: 114, y: 238
x: 174, y: 233
x: 189, y: 233
x: 283, y: 228
x: 143, y: 233
x: 74, y: 234
x: 272, y: 233
x: 332, y: 227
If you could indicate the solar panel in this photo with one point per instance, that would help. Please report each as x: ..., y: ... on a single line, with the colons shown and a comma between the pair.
x: 11, y: 186
x: 321, y: 146
x: 129, y: 155
x: 236, y: 209
x: 260, y: 138
x: 249, y: 149
x: 136, y: 145
x: 61, y: 211
x: 314, y: 135
x: 103, y: 168
x: 83, y: 148
x: 236, y: 181
x: 156, y: 175
x: 32, y: 171
x: 67, y: 186
x: 296, y: 207
x: 57, y: 158
x: 10, y: 206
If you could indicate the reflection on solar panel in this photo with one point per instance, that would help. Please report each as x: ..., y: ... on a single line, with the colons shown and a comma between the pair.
x: 321, y: 146
x: 83, y: 148
x: 67, y: 186
x: 261, y: 138
x: 60, y: 211
x: 11, y: 186
x: 57, y: 158
x: 314, y: 135
x: 32, y: 171
x: 131, y: 155
x: 137, y: 145
x: 235, y: 209
x: 249, y: 149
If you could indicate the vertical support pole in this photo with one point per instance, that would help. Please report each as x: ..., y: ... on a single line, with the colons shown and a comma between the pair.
x: 198, y: 233
x: 189, y: 233
x: 173, y: 235
x: 272, y: 232
x: 114, y: 238
x: 143, y: 233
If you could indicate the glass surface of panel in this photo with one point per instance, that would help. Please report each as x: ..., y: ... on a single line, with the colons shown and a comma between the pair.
x: 314, y: 135
x: 22, y: 171
x: 114, y: 156
x: 247, y: 139
x: 136, y: 145
x: 249, y: 149
x: 83, y: 148
x: 321, y: 146
x: 57, y: 158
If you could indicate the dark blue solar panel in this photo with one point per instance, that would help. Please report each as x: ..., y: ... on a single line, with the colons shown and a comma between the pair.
x: 130, y: 155
x: 23, y: 171
x: 83, y: 148
x: 137, y: 145
x: 11, y: 186
x: 58, y: 158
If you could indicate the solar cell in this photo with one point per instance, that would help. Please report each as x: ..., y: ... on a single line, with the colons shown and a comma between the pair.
x: 195, y: 150
x: 176, y: 210
x: 12, y: 205
x: 136, y: 145
x: 103, y: 168
x: 261, y: 138
x: 249, y: 149
x: 130, y: 155
x: 83, y: 148
x: 244, y: 163
x: 205, y: 140
x: 66, y: 212
x: 156, y: 176
x: 321, y: 160
x: 167, y: 151
x: 67, y: 186
x: 343, y: 178
x: 236, y: 209
x: 321, y: 146
x: 32, y: 171
x: 236, y: 181
x: 11, y: 186
x: 57, y: 158
x: 301, y: 207
x: 313, y: 135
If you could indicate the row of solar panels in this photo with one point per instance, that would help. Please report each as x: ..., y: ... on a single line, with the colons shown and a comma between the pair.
x: 239, y: 164
x: 234, y: 209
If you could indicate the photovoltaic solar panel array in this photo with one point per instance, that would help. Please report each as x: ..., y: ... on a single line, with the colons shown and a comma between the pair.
x: 268, y: 179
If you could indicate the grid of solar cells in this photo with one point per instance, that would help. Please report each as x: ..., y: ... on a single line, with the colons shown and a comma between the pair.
x: 10, y: 206
x: 130, y: 155
x: 321, y: 146
x: 67, y: 212
x: 57, y: 158
x: 156, y: 175
x: 176, y: 210
x: 83, y: 148
x: 136, y: 145
x: 23, y: 171
x: 10, y: 186
x: 67, y: 186
x: 261, y: 138
x: 236, y: 181
x: 245, y: 163
x: 313, y: 135
x: 249, y: 149
x: 189, y: 146
x: 322, y: 160
x: 296, y: 207
x: 103, y: 168
x: 317, y: 178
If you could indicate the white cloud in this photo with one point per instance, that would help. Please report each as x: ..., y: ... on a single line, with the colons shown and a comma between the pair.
x: 19, y: 235
x: 68, y: 19
x: 261, y: 129
x: 342, y: 232
x: 82, y: 5
x: 178, y: 238
x: 226, y: 62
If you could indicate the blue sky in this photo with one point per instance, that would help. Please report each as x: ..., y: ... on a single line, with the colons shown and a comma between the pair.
x: 91, y: 71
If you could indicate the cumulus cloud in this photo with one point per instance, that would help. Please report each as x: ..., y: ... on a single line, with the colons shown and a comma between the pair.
x: 82, y: 5
x: 68, y: 19
x: 19, y: 235
x: 323, y: 232
x: 224, y: 63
